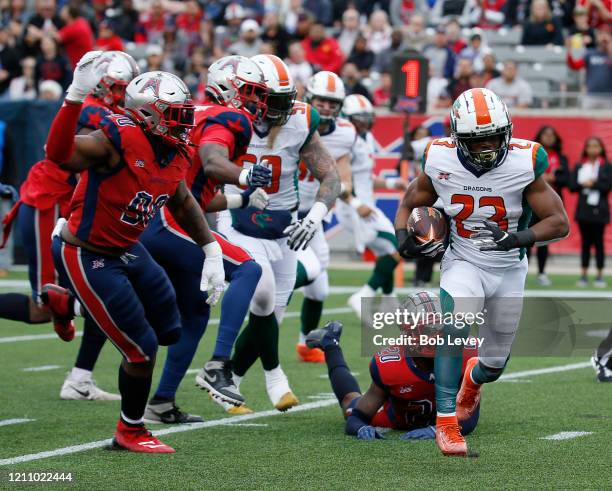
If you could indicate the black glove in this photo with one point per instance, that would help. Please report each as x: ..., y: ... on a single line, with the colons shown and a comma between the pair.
x: 490, y: 237
x: 409, y: 248
x: 259, y: 176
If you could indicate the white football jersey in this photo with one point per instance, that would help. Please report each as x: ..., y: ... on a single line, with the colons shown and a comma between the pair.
x: 495, y: 195
x: 283, y: 157
x: 362, y: 167
x: 338, y: 143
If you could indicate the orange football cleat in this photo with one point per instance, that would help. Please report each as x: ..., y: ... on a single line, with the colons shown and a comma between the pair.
x: 469, y: 393
x: 449, y: 438
x: 138, y: 439
x: 309, y: 355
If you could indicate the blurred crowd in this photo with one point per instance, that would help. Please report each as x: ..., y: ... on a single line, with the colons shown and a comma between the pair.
x: 41, y: 40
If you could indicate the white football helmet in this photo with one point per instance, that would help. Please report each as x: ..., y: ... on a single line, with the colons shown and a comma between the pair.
x: 477, y: 115
x: 327, y: 86
x: 358, y: 109
x: 238, y: 82
x: 281, y: 88
x: 119, y: 73
x: 162, y: 102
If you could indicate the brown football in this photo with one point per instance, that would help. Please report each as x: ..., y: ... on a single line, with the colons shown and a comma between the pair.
x: 427, y: 223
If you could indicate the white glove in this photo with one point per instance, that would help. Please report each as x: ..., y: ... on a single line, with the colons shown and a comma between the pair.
x: 59, y: 225
x: 213, y: 274
x: 301, y: 232
x: 258, y: 199
x: 251, y: 198
x: 88, y: 72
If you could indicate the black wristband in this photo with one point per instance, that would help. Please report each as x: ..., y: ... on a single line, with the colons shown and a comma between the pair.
x: 525, y: 238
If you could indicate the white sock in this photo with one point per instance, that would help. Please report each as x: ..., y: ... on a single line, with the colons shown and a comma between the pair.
x: 131, y: 421
x: 80, y: 375
x: 274, y: 375
x: 302, y: 338
x: 237, y: 380
x: 78, y: 310
x: 367, y: 291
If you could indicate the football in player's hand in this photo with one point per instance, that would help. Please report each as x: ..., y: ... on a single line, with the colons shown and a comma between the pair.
x: 426, y: 224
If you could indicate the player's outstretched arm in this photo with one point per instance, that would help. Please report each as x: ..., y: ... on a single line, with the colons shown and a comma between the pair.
x: 216, y: 164
x: 358, y: 423
x: 322, y: 166
x: 251, y: 198
x: 548, y: 207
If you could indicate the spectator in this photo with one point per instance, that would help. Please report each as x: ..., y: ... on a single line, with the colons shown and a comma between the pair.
x: 321, y: 51
x: 462, y: 79
x: 557, y: 175
x: 290, y: 13
x: 445, y: 10
x: 378, y: 32
x: 126, y: 21
x: 441, y: 57
x: 16, y: 12
x: 299, y: 69
x: 382, y: 62
x: 350, y: 31
x: 454, y: 36
x: 515, y: 91
x: 10, y: 56
x: 253, y: 9
x: 195, y: 77
x: 107, y: 39
x: 489, y: 69
x: 187, y: 36
x: 361, y: 56
x: 50, y: 90
x: 600, y: 12
x: 156, y: 23
x: 475, y: 51
x: 225, y: 36
x: 76, y: 37
x: 352, y: 83
x: 437, y: 95
x: 156, y: 60
x: 402, y: 11
x: 24, y: 87
x: 44, y: 22
x: 592, y: 180
x: 51, y: 64
x: 598, y: 65
x: 321, y: 10
x: 304, y: 23
x: 488, y: 14
x: 382, y: 94
x: 542, y: 28
x: 416, y: 36
x: 275, y: 34
x: 249, y: 43
x: 581, y: 34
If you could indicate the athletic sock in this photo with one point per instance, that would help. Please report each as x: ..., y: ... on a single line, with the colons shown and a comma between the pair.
x: 91, y: 344
x: 246, y: 351
x: 80, y: 375
x: 301, y: 278
x: 446, y: 419
x: 382, y: 276
x: 340, y: 377
x: 267, y: 337
x: 470, y: 380
x: 310, y: 315
x: 134, y: 395
x: 15, y: 307
x: 235, y: 306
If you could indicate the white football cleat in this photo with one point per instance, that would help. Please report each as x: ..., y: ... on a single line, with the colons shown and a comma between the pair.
x: 85, y: 390
x: 278, y: 389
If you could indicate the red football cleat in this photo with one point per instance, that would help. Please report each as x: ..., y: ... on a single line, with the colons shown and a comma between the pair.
x: 138, y: 439
x: 309, y: 355
x: 469, y: 393
x: 60, y: 303
x: 449, y: 438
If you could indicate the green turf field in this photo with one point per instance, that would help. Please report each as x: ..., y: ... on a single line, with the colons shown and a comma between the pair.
x: 304, y: 449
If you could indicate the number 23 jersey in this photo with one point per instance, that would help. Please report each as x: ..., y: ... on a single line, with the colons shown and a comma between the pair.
x: 470, y: 197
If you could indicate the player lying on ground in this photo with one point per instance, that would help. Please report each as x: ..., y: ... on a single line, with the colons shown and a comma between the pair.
x: 45, y: 196
x: 236, y: 95
x: 602, y: 359
x: 488, y: 183
x: 401, y: 395
x: 324, y: 92
x: 130, y: 168
x: 284, y: 136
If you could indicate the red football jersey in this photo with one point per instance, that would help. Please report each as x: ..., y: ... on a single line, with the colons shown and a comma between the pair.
x: 411, y: 391
x: 47, y: 184
x: 111, y: 210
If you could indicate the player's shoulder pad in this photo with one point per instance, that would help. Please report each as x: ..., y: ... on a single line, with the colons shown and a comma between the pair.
x: 115, y: 126
x: 346, y: 126
x: 434, y: 145
x: 535, y: 153
x: 233, y: 119
x: 91, y: 116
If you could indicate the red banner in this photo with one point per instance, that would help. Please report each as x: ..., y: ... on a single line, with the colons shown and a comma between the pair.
x: 388, y: 132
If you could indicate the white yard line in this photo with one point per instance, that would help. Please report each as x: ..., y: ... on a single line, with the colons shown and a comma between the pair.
x: 239, y: 419
x: 566, y: 435
x: 7, y: 422
x: 43, y: 368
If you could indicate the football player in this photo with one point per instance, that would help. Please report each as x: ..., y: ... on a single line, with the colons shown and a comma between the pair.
x: 358, y: 212
x: 401, y: 395
x: 325, y: 92
x: 284, y: 136
x: 602, y: 359
x: 130, y: 168
x: 45, y: 196
x: 236, y: 95
x: 489, y: 183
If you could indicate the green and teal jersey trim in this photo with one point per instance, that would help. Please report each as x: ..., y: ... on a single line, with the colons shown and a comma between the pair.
x: 387, y: 236
x: 314, y: 120
x: 541, y: 162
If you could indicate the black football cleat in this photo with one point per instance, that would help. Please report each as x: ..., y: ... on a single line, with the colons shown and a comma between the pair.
x: 217, y: 378
x: 328, y: 335
x: 168, y: 413
x: 604, y: 374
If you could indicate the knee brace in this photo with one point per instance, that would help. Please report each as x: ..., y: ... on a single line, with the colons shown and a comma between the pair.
x: 262, y: 303
x: 319, y: 289
x: 310, y: 263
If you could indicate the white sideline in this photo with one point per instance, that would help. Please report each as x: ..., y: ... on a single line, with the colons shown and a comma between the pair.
x: 43, y: 368
x: 239, y: 419
x: 212, y: 322
x: 7, y: 422
x: 566, y: 435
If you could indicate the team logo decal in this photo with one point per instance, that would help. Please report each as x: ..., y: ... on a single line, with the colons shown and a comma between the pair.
x: 260, y: 219
x: 97, y: 264
x: 153, y: 84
